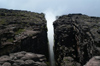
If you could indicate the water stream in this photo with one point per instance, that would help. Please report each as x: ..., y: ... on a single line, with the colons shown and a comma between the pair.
x: 50, y: 19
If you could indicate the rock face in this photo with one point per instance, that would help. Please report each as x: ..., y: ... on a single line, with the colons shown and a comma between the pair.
x: 23, y: 59
x: 95, y: 61
x: 22, y: 31
x: 77, y: 39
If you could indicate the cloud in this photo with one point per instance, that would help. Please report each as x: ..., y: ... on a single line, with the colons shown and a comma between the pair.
x: 89, y: 7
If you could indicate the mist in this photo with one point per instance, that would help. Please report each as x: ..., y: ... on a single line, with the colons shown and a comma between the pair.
x: 50, y: 17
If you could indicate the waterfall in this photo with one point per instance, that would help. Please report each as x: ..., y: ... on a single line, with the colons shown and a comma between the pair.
x: 50, y: 19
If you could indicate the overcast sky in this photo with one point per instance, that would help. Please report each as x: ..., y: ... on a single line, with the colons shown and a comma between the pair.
x: 58, y: 7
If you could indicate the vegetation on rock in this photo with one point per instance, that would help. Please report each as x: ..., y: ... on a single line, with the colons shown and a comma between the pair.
x: 23, y: 31
x: 76, y: 36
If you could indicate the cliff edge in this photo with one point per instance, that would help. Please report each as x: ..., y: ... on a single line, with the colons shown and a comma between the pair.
x: 23, y: 31
x: 77, y: 39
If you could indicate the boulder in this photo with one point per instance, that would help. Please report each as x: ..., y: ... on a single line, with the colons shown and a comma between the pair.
x: 94, y: 61
x: 6, y: 64
x: 16, y: 59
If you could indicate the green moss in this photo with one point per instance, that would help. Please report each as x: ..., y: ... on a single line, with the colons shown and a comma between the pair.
x: 48, y: 64
x: 65, y: 59
x: 2, y: 22
x: 96, y: 27
x: 10, y: 40
x: 19, y: 31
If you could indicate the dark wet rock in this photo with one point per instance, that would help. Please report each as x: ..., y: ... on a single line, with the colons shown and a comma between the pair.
x: 31, y: 59
x: 30, y: 56
x: 95, y: 61
x: 19, y: 62
x: 4, y: 58
x: 76, y: 36
x: 40, y: 64
x: 23, y: 31
x: 69, y: 61
x: 6, y: 64
x: 29, y: 62
x: 98, y: 30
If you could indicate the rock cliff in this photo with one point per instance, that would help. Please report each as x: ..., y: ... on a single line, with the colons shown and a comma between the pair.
x: 77, y: 39
x: 23, y: 31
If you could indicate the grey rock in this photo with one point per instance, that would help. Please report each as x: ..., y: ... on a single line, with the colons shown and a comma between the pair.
x: 19, y: 62
x: 28, y: 32
x: 40, y: 64
x: 69, y: 61
x: 76, y: 36
x: 95, y: 61
x: 29, y: 63
x: 30, y: 56
x: 4, y: 58
x: 6, y: 64
x: 23, y: 59
x: 15, y: 64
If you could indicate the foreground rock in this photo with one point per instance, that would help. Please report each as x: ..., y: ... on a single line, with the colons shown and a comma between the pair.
x: 77, y: 39
x: 95, y: 61
x: 23, y: 59
x: 22, y: 31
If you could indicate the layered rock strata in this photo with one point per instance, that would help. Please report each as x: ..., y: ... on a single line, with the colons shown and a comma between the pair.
x: 77, y: 39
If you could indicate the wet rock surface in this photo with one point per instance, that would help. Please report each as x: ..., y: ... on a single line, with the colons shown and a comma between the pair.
x: 23, y: 31
x: 23, y: 59
x: 77, y: 39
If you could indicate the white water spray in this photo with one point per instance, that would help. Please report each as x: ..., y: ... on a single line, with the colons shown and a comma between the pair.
x: 50, y: 17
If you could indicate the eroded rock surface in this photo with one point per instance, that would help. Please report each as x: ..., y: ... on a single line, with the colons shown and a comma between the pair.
x: 23, y: 59
x: 22, y: 31
x: 95, y: 61
x: 77, y: 37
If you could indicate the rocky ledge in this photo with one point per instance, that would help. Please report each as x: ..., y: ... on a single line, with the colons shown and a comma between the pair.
x: 23, y: 31
x: 95, y: 61
x: 77, y: 39
x: 23, y: 59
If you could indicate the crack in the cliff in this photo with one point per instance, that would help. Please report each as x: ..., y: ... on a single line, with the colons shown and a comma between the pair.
x: 50, y: 18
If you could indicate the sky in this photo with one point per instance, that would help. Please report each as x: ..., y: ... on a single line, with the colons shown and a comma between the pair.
x: 58, y: 7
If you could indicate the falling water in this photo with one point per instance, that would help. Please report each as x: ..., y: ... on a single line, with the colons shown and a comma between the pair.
x: 50, y: 19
